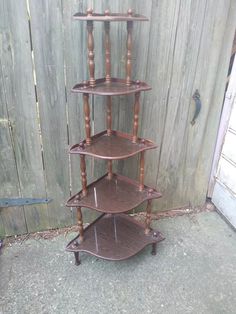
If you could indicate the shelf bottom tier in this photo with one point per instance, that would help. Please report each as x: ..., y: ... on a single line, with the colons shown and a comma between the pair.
x: 114, y: 237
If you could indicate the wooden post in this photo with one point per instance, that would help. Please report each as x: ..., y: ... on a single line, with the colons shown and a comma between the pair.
x: 136, y: 116
x: 148, y: 217
x: 109, y: 116
x: 129, y: 50
x: 109, y: 166
x: 80, y: 223
x: 141, y: 172
x: 83, y: 174
x: 91, y: 50
x: 107, y: 49
x: 77, y: 260
x: 87, y: 118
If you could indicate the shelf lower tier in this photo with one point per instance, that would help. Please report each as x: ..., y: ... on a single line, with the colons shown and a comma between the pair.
x: 116, y: 195
x: 116, y: 146
x: 115, y: 87
x: 114, y: 237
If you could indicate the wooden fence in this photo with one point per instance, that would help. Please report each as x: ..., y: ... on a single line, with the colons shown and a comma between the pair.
x: 185, y: 46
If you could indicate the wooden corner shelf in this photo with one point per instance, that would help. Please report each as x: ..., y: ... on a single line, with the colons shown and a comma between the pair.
x: 112, y: 88
x: 114, y: 235
x: 116, y: 195
x: 116, y: 146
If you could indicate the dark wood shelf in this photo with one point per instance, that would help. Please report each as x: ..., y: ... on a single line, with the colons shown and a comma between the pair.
x: 115, y: 87
x: 116, y: 146
x: 114, y: 237
x: 116, y: 195
x: 113, y: 17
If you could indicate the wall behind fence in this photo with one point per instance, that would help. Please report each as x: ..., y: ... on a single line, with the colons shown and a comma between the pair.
x: 185, y: 46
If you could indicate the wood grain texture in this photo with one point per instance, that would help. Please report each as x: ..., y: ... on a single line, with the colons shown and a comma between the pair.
x: 47, y: 39
x: 87, y: 118
x: 20, y: 100
x: 107, y: 51
x: 185, y: 46
x: 76, y: 70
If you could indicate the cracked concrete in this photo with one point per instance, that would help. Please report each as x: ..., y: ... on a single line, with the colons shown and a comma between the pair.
x: 194, y: 271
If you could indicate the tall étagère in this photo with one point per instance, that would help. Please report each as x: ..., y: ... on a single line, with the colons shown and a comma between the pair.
x: 114, y: 235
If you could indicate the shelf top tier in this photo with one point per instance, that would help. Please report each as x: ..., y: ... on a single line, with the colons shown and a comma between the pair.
x: 109, y: 17
x: 118, y: 145
x: 116, y: 195
x: 115, y: 87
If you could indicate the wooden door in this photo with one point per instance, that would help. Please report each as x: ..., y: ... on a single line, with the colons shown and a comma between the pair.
x: 224, y: 190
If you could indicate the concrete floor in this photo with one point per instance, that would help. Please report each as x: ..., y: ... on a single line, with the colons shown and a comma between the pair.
x: 193, y: 272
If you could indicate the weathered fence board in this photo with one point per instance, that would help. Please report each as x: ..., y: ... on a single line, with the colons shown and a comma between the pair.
x: 47, y: 39
x: 21, y: 112
x: 185, y: 46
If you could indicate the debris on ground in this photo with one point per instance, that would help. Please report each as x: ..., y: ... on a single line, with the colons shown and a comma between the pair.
x: 50, y: 234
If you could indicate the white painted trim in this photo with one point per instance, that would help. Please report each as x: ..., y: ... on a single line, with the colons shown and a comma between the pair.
x: 223, y: 127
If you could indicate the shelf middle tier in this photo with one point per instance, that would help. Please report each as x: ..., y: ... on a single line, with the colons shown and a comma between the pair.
x: 115, y: 87
x: 116, y: 195
x: 118, y: 145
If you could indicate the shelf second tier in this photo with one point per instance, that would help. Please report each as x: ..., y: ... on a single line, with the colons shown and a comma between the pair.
x: 116, y: 146
x: 115, y: 87
x: 116, y: 195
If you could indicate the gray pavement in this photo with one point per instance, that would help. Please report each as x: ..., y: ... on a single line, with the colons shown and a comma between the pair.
x: 194, y: 271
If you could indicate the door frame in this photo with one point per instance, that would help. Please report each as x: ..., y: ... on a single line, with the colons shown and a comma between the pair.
x: 223, y: 127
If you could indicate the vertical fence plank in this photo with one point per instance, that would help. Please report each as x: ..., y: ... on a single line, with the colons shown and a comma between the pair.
x: 76, y: 70
x: 47, y: 39
x: 24, y: 118
x: 173, y: 147
x: 140, y: 44
x: 210, y: 79
x: 185, y: 46
x: 12, y: 219
x: 163, y: 24
x: 21, y: 103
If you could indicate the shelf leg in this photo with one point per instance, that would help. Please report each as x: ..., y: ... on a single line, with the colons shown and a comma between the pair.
x: 87, y: 118
x: 91, y: 53
x: 141, y: 172
x: 77, y: 260
x: 129, y: 52
x: 109, y: 166
x: 154, y: 248
x: 83, y: 174
x: 136, y: 116
x: 148, y: 217
x: 80, y: 224
x: 109, y: 116
x: 107, y: 50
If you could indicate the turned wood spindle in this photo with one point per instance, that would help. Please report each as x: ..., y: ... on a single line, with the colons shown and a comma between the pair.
x: 141, y: 172
x: 129, y: 50
x: 109, y: 168
x: 148, y: 217
x: 107, y: 49
x: 91, y: 50
x: 80, y: 223
x: 87, y: 118
x: 109, y: 116
x: 83, y: 174
x: 136, y: 116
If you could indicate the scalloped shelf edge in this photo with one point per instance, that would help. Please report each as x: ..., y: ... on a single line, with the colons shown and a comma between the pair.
x: 141, y: 145
x: 113, y: 245
x: 116, y: 87
x: 123, y: 191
